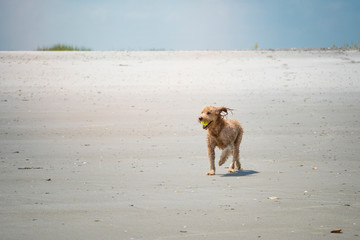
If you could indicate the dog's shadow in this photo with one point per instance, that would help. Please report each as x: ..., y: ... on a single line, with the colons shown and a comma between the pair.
x: 240, y: 173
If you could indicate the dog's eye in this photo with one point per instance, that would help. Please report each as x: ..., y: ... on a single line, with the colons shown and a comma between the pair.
x: 208, y: 113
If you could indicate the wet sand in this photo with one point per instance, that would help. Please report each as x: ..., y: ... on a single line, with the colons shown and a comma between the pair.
x: 106, y: 145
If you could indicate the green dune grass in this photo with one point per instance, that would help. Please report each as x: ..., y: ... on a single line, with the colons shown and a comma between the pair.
x: 63, y: 47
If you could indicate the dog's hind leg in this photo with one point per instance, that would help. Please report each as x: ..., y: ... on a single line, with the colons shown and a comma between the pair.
x: 235, y: 164
x: 236, y: 154
x: 225, y: 154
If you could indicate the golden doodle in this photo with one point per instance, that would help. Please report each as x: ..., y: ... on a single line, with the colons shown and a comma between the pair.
x: 222, y: 133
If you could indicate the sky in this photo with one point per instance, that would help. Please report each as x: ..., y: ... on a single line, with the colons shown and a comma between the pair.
x: 178, y: 24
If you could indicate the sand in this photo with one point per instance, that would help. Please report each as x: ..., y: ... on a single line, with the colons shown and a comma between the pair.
x: 106, y: 145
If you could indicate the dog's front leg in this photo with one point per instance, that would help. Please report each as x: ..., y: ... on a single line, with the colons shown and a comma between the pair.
x: 211, y: 154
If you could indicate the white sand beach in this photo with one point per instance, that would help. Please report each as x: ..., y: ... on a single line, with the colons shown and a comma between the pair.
x: 106, y: 145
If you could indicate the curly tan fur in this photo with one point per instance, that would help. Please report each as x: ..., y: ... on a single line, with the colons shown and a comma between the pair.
x: 224, y: 134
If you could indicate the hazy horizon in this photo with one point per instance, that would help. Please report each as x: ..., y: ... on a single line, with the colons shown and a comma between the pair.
x: 178, y: 25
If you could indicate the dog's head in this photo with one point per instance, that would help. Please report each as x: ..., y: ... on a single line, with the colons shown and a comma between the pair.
x: 210, y: 114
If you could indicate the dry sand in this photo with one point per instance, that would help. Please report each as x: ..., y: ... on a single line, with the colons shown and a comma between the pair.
x: 106, y: 145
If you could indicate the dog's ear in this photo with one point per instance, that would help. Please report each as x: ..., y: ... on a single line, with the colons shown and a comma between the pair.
x: 223, y: 110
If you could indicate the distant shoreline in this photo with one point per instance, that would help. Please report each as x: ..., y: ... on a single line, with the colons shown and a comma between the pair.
x: 203, y: 50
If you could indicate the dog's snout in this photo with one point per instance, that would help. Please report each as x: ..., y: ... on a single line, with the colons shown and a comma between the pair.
x: 200, y: 118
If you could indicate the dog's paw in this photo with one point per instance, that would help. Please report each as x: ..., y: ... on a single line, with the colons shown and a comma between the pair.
x: 232, y: 170
x: 211, y: 172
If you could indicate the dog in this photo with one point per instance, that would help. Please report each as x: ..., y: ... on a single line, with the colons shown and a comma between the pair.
x: 222, y: 133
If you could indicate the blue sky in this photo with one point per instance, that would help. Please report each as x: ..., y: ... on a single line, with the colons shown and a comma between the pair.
x: 178, y: 24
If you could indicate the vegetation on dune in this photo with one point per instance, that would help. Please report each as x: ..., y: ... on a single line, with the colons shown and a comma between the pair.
x: 63, y: 47
x: 354, y: 46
